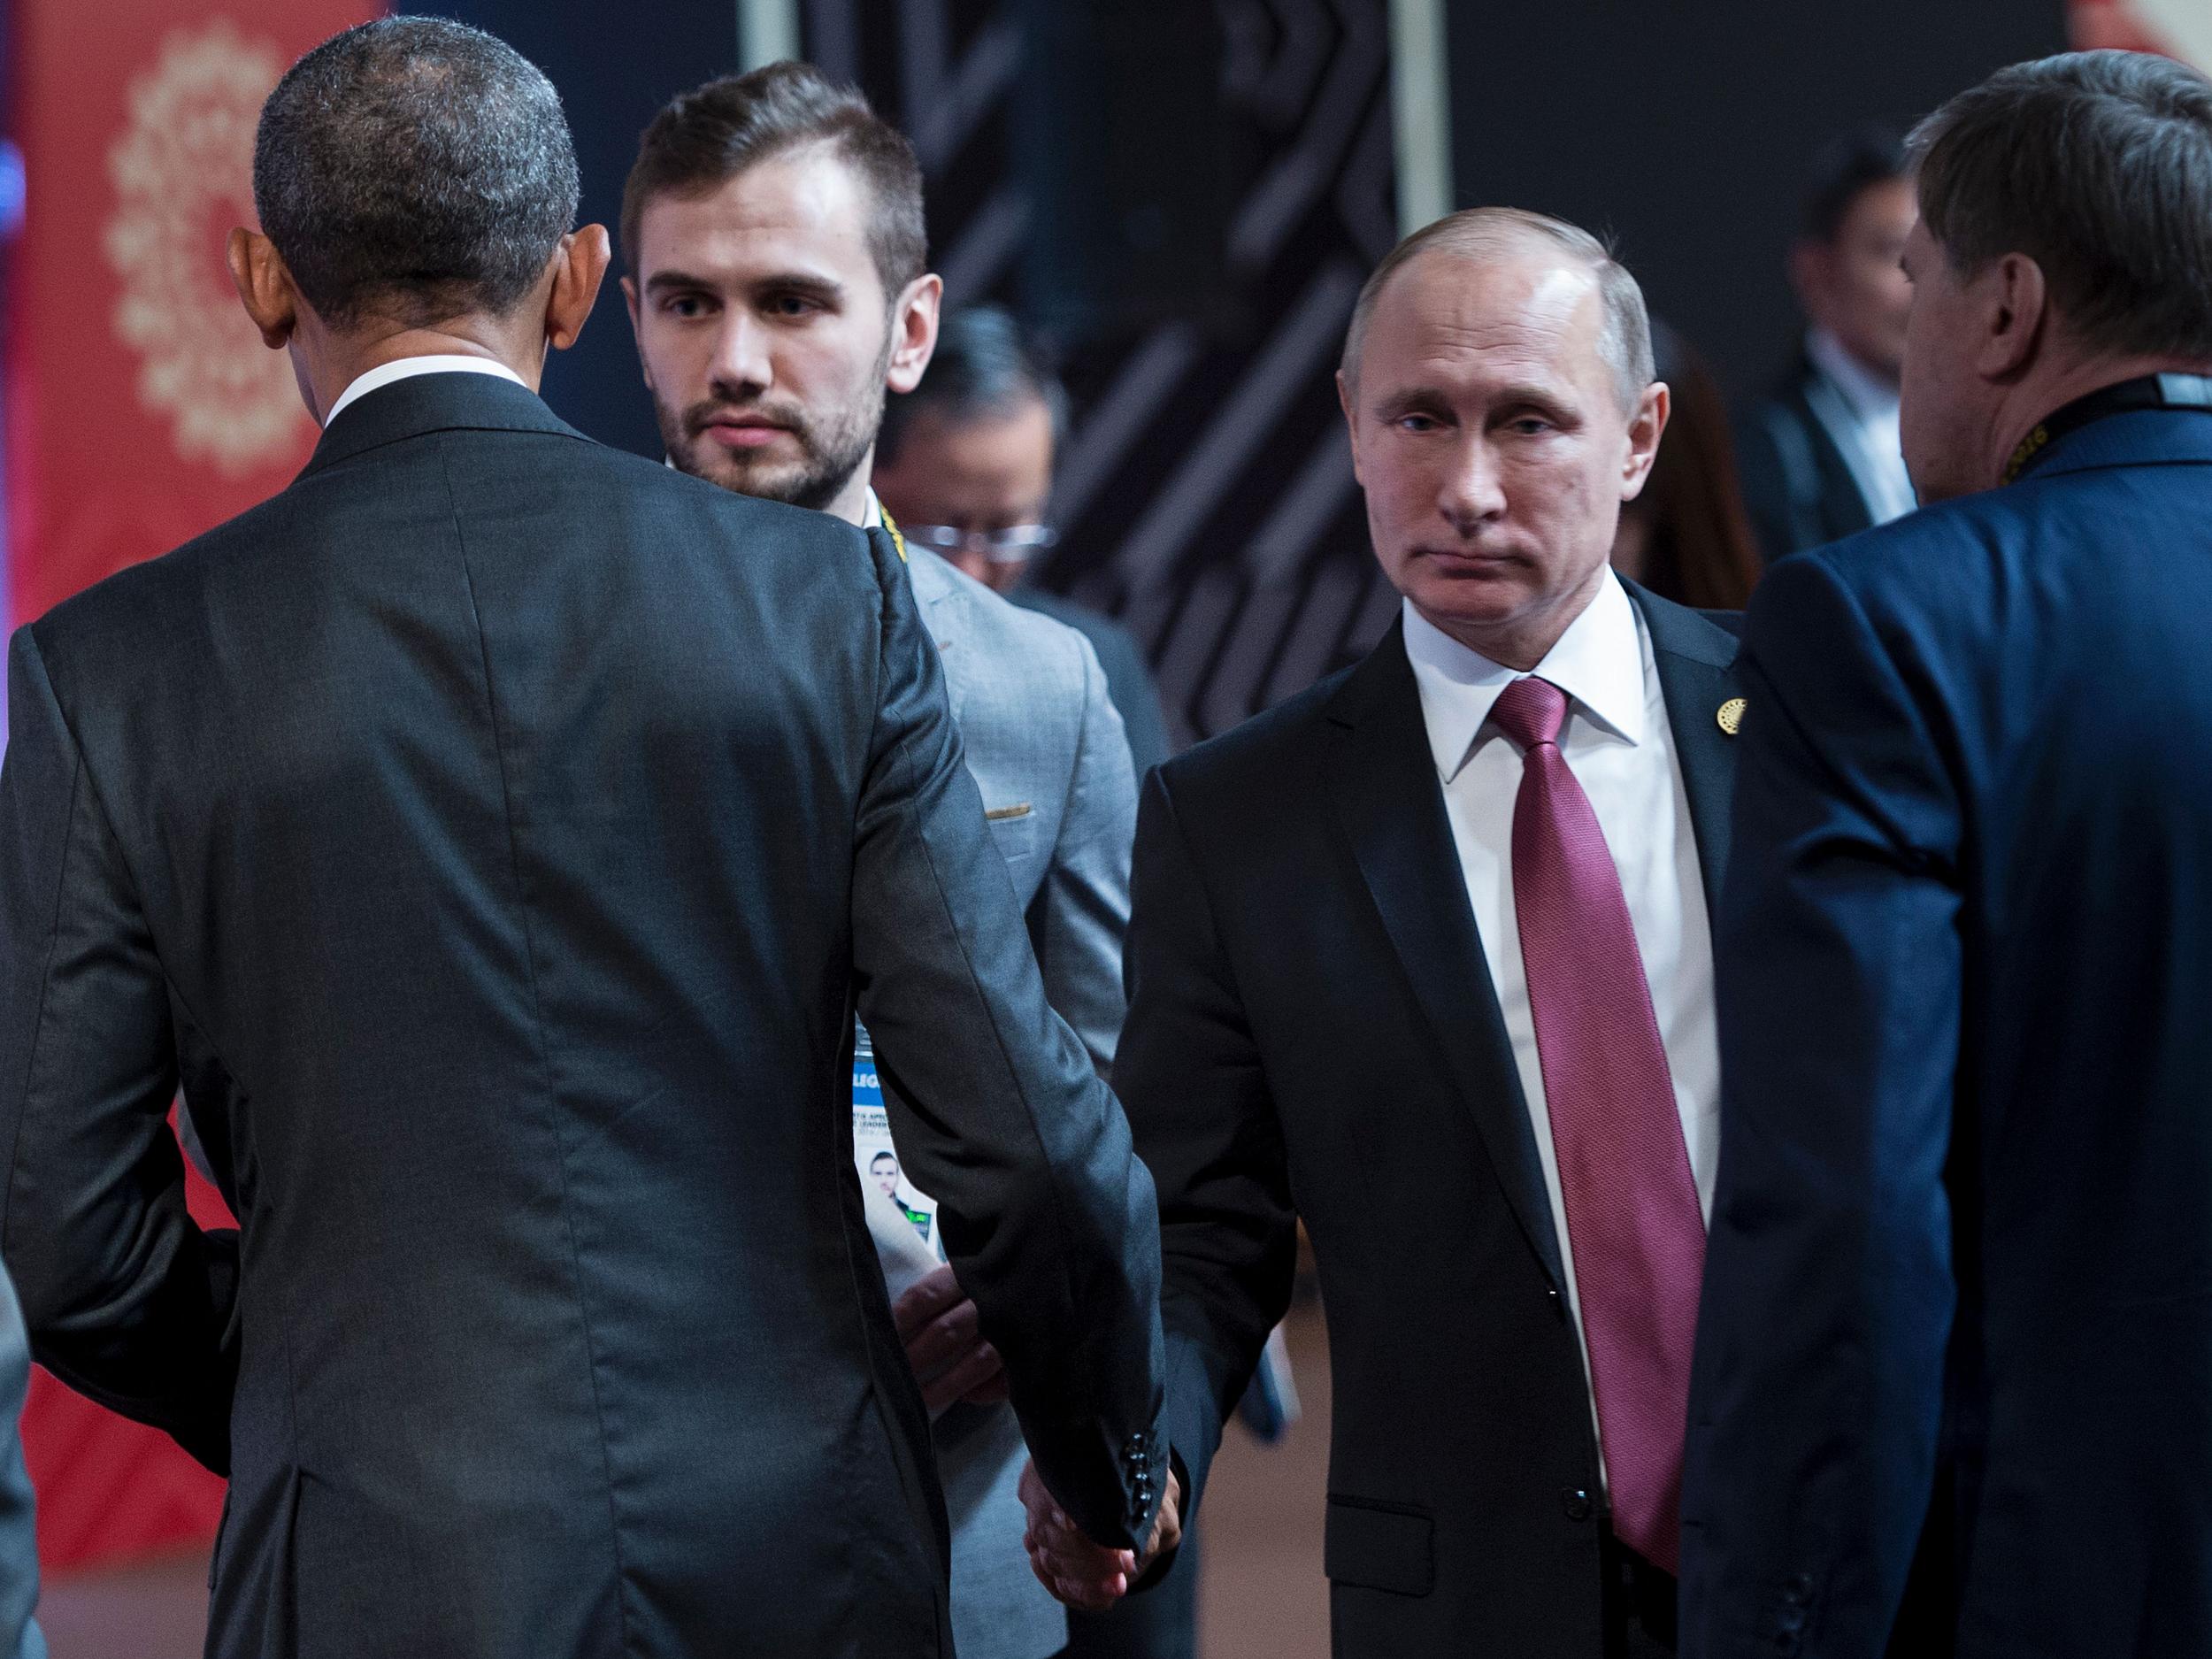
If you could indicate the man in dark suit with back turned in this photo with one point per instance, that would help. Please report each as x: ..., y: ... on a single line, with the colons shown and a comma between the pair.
x: 1421, y: 957
x: 1960, y: 1286
x: 495, y: 831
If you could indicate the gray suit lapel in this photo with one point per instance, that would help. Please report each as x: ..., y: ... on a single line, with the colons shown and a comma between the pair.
x: 936, y: 588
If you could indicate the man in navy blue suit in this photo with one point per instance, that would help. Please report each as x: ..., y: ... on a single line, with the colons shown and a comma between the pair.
x: 1958, y: 1292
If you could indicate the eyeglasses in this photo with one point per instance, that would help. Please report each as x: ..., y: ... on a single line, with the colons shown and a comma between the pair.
x: 1014, y: 545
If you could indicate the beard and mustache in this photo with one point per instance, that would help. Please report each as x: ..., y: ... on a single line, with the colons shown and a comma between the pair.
x: 832, y: 443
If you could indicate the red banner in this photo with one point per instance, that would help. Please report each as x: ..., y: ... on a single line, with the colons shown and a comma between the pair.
x: 143, y: 410
x: 2179, y: 28
x: 145, y: 407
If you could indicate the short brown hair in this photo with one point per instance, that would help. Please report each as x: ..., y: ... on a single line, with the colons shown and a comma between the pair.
x: 707, y: 137
x: 1625, y: 342
x: 2098, y: 166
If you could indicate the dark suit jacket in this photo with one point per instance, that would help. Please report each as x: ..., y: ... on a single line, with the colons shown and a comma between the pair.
x: 496, y: 831
x: 1797, y: 487
x: 1312, y: 1033
x: 1966, y: 1000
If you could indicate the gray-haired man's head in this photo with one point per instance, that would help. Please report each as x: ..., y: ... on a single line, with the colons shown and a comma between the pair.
x: 1480, y: 233
x: 2065, y: 243
x: 414, y: 169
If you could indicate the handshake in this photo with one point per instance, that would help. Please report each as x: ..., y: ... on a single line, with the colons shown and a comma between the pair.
x: 944, y: 1343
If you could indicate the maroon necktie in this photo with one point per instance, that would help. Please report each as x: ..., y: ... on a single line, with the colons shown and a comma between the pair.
x: 1637, y: 1238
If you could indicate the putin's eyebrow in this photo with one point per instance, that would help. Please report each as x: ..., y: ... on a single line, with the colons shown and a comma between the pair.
x: 1408, y: 400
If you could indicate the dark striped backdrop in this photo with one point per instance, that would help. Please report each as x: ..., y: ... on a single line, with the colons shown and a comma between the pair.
x: 1186, y: 199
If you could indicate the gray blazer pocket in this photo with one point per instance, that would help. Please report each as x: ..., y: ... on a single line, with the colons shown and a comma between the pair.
x: 1013, y: 830
x: 1379, y: 1546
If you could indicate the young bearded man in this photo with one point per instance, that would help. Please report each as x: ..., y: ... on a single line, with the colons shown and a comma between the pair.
x: 774, y: 233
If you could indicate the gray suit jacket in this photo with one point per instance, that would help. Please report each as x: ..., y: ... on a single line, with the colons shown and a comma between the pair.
x: 20, y: 1634
x: 497, y: 832
x: 1044, y: 744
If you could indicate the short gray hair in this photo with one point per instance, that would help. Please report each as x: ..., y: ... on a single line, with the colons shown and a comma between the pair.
x: 414, y: 168
x: 1624, y: 341
x: 2098, y: 166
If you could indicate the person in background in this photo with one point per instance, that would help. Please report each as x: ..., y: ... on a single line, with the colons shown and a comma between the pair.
x: 1446, y: 912
x: 1686, y: 537
x: 964, y: 462
x: 1956, y: 1346
x: 1821, y: 458
x: 777, y: 286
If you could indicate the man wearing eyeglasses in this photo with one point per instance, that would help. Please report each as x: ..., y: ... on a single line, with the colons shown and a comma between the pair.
x: 773, y: 227
x: 965, y: 462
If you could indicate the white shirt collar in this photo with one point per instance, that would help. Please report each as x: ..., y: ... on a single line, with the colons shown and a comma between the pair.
x: 872, y: 518
x: 1598, y: 662
x: 407, y: 368
x: 1871, y: 397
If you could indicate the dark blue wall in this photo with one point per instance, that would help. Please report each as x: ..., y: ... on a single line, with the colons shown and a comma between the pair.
x: 613, y: 72
x: 1685, y: 128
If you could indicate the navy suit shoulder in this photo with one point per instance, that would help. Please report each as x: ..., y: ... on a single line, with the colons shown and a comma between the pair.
x: 1955, y: 1300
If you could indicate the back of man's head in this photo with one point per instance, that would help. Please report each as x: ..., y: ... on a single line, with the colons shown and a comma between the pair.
x: 709, y: 135
x: 414, y: 169
x: 1844, y: 169
x: 983, y: 369
x: 2097, y: 165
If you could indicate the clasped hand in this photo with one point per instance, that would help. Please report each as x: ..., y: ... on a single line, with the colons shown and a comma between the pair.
x: 1080, y: 1572
x: 944, y: 1343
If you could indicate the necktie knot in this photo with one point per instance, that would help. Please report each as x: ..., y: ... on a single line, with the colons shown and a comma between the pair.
x: 1530, y: 711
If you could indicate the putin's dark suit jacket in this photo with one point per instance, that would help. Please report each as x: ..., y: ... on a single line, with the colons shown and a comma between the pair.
x: 1313, y: 1034
x: 1962, y: 1243
x: 495, y: 832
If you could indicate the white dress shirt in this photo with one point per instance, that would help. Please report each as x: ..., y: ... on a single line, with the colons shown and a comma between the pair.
x: 1860, y: 411
x: 407, y: 368
x: 1617, y: 743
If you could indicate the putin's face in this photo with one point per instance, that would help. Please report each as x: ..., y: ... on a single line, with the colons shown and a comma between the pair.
x: 765, y: 333
x: 1488, y: 431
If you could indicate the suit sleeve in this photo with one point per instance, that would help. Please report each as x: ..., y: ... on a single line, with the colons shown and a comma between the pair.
x: 1081, y: 910
x: 1048, y: 1217
x: 126, y: 1299
x: 1829, y: 1291
x: 1190, y: 1072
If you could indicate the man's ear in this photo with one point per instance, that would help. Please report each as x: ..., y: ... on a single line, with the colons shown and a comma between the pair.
x: 913, y: 332
x: 579, y: 267
x: 265, y: 286
x: 1344, y: 395
x: 1646, y: 428
x: 631, y: 298
x: 2013, y: 314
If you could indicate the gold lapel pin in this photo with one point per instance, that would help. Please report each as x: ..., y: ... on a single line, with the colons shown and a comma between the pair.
x: 1731, y: 715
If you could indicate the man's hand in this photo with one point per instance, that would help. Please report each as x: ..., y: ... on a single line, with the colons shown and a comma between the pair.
x: 1083, y: 1574
x: 944, y: 1343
